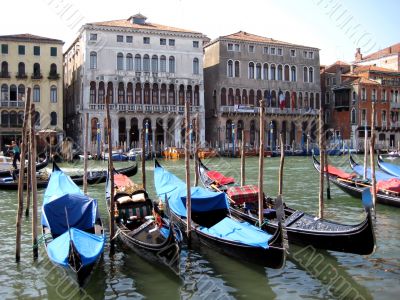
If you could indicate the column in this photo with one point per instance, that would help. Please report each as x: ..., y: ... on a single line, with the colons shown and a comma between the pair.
x: 128, y: 138
x: 165, y: 128
x: 142, y: 93
x: 153, y: 146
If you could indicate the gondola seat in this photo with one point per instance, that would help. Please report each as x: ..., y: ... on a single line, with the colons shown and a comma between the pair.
x: 133, y: 207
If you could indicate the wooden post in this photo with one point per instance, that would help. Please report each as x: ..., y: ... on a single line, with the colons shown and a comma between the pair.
x: 21, y: 178
x: 143, y: 159
x: 280, y: 186
x: 28, y: 179
x: 261, y: 167
x: 322, y: 159
x: 328, y: 186
x: 196, y: 150
x: 372, y: 153
x: 85, y: 153
x: 111, y: 173
x: 242, y: 164
x: 187, y: 169
x: 308, y: 144
x: 365, y: 150
x: 32, y: 145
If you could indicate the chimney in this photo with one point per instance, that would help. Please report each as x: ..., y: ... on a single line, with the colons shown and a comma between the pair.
x: 358, y: 54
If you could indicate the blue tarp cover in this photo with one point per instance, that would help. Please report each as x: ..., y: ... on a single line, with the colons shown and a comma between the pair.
x: 89, y: 246
x: 241, y: 232
x: 202, y: 200
x: 390, y: 168
x: 359, y: 169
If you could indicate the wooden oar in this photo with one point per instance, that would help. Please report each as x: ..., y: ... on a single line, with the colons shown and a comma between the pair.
x: 218, y: 190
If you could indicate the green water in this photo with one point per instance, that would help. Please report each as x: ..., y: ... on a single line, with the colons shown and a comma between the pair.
x: 205, y: 273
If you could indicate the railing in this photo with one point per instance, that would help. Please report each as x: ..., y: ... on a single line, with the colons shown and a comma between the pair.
x: 21, y: 76
x: 145, y: 108
x: 4, y: 75
x: 270, y: 110
x: 53, y: 76
x: 37, y: 76
x: 8, y: 103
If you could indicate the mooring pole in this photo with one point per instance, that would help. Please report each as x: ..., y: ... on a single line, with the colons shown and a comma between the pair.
x: 85, y: 153
x: 187, y: 169
x: 322, y: 158
x: 196, y: 150
x: 328, y: 186
x: 280, y: 186
x: 21, y: 178
x: 261, y: 167
x: 28, y: 177
x: 365, y: 150
x: 32, y: 145
x: 372, y: 153
x: 143, y: 159
x: 242, y: 163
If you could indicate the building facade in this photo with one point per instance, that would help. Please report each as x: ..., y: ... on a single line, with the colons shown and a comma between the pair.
x: 388, y: 58
x: 30, y: 61
x: 147, y: 71
x: 242, y: 68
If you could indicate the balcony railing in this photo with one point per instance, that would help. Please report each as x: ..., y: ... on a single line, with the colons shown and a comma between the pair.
x: 8, y: 103
x: 21, y: 76
x: 4, y: 75
x: 37, y: 76
x: 53, y: 76
x: 270, y: 110
x: 144, y: 108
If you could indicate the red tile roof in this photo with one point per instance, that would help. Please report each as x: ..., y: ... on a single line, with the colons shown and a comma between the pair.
x: 336, y: 65
x: 364, y: 69
x: 393, y: 49
x: 26, y: 37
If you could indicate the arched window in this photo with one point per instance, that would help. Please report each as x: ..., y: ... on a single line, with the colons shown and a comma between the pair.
x: 154, y: 63
x: 13, y: 119
x: 129, y: 62
x: 171, y: 67
x: 138, y: 63
x: 258, y: 71
x: 354, y: 98
x: 5, y: 119
x: 121, y: 93
x: 21, y: 92
x: 280, y: 71
x: 223, y: 96
x: 163, y: 63
x: 36, y: 93
x: 20, y: 118
x: 101, y: 92
x: 36, y: 70
x: 251, y: 97
x: 286, y: 73
x: 110, y: 92
x: 53, y: 118
x: 230, y: 68
x: 4, y: 92
x: 353, y: 116
x: 265, y: 72
x: 146, y: 63
x: 163, y: 94
x: 53, y: 70
x: 4, y: 69
x: 293, y: 73
x: 92, y: 96
x: 273, y: 72
x: 21, y: 69
x: 305, y: 74
x: 129, y: 93
x: 231, y: 97
x: 93, y: 60
x: 228, y: 130
x: 13, y: 92
x: 53, y: 94
x: 311, y: 74
x: 237, y: 69
x: 120, y: 61
x: 196, y: 66
x: 251, y: 70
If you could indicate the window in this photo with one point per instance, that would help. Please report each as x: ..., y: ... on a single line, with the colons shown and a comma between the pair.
x: 92, y: 93
x: 273, y: 72
x: 305, y: 74
x: 230, y: 68
x: 237, y: 69
x: 120, y: 38
x: 334, y: 81
x: 154, y: 63
x: 293, y: 74
x: 353, y: 116
x: 383, y: 117
x: 354, y: 98
x: 13, y: 92
x: 93, y: 60
x: 53, y: 118
x: 146, y: 63
x: 129, y: 62
x: 120, y: 61
x: 327, y: 98
x: 21, y: 92
x: 163, y: 42
x: 53, y: 51
x: 138, y: 63
x: 280, y: 51
x: 311, y: 55
x: 237, y: 48
x: 195, y: 44
x: 4, y: 49
x: 36, y: 50
x: 364, y: 117
x: 311, y: 74
x: 374, y: 95
x: 53, y: 94
x: 21, y: 69
x: 171, y: 42
x: 280, y: 72
x: 163, y: 63
x: 258, y: 71
x: 273, y: 51
x: 36, y: 93
x: 21, y: 49
x: 4, y: 92
x: 129, y: 39
x: 251, y: 70
x: 265, y: 72
x: 195, y: 65
x: 146, y: 40
x: 251, y: 48
x: 265, y: 50
x: 305, y: 54
x: 363, y: 94
x: 230, y: 47
x: 93, y: 37
x: 36, y: 70
x: 171, y: 67
x: 292, y: 52
x: 384, y: 95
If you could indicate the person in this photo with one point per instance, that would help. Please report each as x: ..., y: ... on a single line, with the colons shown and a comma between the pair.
x: 16, y: 153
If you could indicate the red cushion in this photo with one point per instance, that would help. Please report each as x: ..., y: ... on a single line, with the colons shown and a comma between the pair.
x: 392, y: 185
x: 219, y: 178
x: 241, y: 194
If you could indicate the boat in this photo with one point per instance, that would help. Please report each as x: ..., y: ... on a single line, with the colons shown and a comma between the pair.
x: 9, y: 171
x: 213, y: 227
x: 141, y: 225
x: 354, y: 186
x: 359, y: 169
x: 389, y: 168
x: 301, y: 228
x: 173, y: 153
x: 94, y: 177
x: 207, y: 152
x: 71, y: 225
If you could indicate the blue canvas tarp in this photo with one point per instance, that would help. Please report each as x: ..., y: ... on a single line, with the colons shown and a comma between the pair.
x: 390, y: 168
x: 378, y: 174
x: 241, y: 232
x: 88, y: 245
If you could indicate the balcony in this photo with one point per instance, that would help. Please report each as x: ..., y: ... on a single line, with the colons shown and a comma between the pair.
x: 269, y: 110
x: 144, y: 108
x: 37, y: 76
x: 4, y: 75
x: 11, y: 103
x: 21, y: 76
x: 53, y: 76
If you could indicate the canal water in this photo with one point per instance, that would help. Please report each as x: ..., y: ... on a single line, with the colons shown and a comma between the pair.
x: 206, y: 274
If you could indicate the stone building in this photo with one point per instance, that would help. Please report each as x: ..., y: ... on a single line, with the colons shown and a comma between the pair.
x: 242, y: 68
x: 388, y: 58
x: 146, y: 70
x: 30, y: 61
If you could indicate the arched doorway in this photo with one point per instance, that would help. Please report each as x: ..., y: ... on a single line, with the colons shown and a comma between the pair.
x: 159, y: 134
x: 134, y: 133
x: 121, y: 131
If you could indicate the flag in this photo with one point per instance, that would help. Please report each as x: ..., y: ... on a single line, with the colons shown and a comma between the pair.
x: 281, y: 99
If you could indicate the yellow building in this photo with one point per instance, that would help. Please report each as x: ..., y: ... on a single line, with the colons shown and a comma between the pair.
x: 30, y: 61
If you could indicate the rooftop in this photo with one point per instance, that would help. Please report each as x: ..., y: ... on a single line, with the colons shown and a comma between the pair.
x: 393, y: 49
x: 27, y: 37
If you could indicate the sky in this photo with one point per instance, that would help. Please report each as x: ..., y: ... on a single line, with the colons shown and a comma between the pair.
x: 336, y: 27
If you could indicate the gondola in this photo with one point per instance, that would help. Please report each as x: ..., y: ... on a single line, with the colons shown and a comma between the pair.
x: 141, y: 225
x: 39, y: 166
x: 359, y: 169
x: 355, y: 186
x: 94, y: 177
x: 71, y: 226
x: 389, y: 168
x: 213, y: 227
x: 301, y: 228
